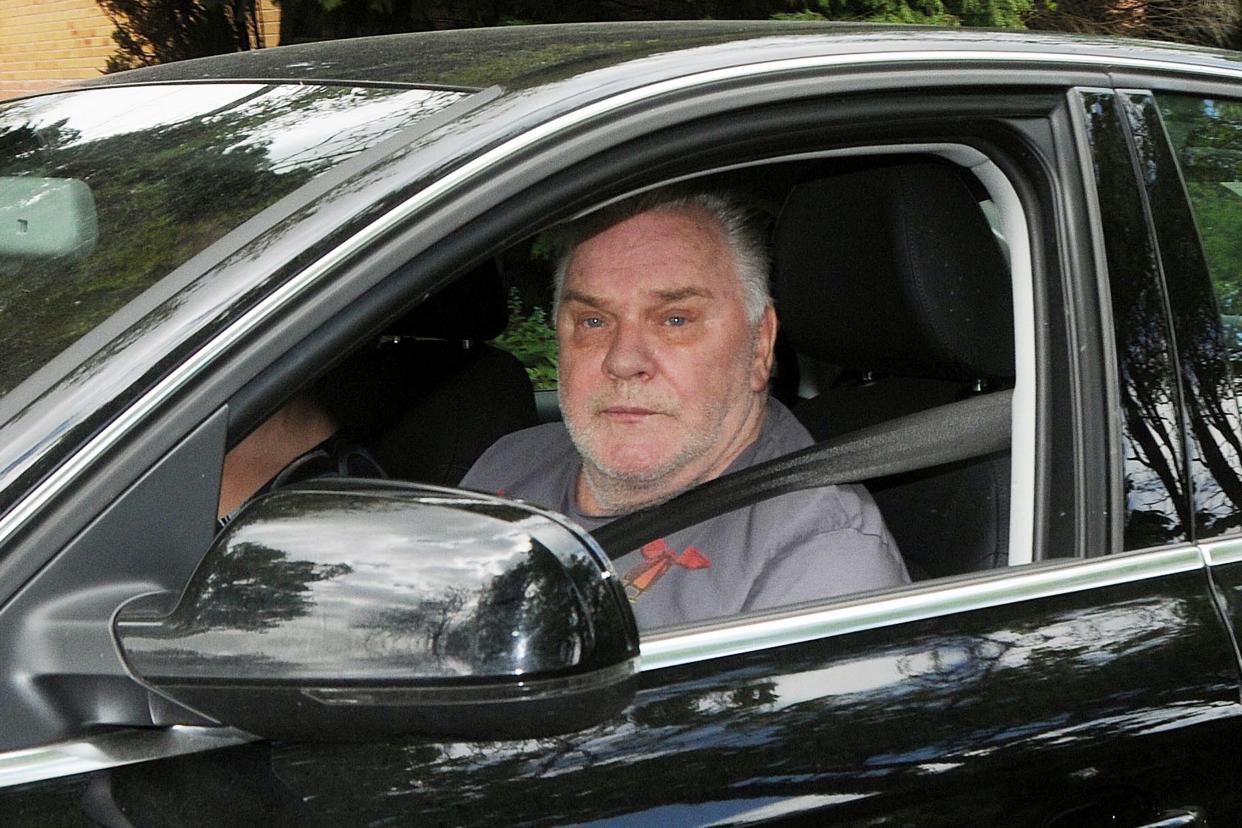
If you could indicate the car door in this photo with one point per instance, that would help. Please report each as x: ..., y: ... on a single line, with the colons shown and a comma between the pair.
x: 1186, y: 137
x: 1081, y: 688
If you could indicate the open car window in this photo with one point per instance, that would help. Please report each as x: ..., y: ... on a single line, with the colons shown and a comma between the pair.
x: 476, y: 362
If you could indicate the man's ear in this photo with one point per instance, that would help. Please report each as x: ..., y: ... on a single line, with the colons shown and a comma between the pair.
x: 765, y: 347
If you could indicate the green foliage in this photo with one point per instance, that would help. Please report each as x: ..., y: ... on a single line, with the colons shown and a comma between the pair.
x: 532, y: 340
x: 1204, y: 22
x: 994, y: 13
x: 1207, y: 135
x: 545, y: 248
x: 798, y: 16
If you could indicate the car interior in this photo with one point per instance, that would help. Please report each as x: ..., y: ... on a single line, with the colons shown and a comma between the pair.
x: 893, y: 285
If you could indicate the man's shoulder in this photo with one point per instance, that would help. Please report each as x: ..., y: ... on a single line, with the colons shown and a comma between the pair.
x: 782, y: 433
x: 520, y: 455
x: 540, y: 437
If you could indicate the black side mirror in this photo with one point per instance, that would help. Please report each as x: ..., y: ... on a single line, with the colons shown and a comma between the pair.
x: 346, y: 609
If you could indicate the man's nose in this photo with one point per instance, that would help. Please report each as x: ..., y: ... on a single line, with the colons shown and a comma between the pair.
x: 629, y: 354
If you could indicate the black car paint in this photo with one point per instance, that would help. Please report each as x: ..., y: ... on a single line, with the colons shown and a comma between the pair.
x: 1064, y: 711
x: 363, y: 609
x: 1112, y: 704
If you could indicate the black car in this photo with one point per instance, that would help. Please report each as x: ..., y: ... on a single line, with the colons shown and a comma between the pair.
x: 1008, y: 269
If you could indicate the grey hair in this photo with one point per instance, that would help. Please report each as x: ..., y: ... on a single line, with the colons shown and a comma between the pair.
x: 738, y: 226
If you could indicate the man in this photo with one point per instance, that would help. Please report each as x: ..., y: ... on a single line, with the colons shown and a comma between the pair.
x: 666, y: 332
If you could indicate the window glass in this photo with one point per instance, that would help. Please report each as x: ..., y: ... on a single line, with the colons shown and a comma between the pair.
x: 527, y: 271
x: 1156, y: 501
x: 105, y: 191
x: 1206, y: 137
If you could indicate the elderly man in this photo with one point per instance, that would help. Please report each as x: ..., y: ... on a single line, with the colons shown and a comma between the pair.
x: 666, y: 333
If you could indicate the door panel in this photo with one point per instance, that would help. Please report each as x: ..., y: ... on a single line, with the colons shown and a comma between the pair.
x: 1120, y: 699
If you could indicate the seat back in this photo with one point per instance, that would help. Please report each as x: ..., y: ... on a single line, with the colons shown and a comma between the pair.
x: 894, y: 274
x: 430, y: 396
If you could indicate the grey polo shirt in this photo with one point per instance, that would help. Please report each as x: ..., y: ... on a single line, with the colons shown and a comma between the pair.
x: 797, y: 547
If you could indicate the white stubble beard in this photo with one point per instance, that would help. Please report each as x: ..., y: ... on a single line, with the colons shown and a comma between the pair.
x: 620, y: 491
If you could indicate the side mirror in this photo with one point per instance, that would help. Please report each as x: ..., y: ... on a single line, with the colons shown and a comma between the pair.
x: 343, y: 609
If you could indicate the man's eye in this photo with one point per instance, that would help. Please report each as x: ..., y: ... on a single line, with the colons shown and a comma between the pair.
x: 592, y: 322
x: 676, y: 321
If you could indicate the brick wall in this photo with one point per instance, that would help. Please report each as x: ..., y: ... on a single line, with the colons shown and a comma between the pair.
x: 44, y: 43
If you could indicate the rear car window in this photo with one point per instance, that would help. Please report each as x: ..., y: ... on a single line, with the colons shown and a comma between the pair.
x: 1206, y: 134
x: 105, y: 191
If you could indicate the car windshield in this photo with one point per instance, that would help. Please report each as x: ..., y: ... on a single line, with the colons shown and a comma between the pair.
x: 105, y: 191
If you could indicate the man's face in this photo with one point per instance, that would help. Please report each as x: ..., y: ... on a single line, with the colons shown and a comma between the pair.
x: 662, y: 378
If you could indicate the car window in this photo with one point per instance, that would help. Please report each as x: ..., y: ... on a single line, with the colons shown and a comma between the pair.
x: 873, y: 369
x: 1206, y: 134
x: 1203, y: 269
x: 530, y: 333
x: 1156, y: 508
x: 103, y: 192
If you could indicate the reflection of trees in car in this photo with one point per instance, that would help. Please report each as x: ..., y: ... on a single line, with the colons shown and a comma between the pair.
x: 255, y: 588
x: 527, y: 601
x: 1215, y: 453
x: 737, y: 717
x: 1157, y: 504
x: 185, y: 167
x: 432, y: 627
x: 166, y: 190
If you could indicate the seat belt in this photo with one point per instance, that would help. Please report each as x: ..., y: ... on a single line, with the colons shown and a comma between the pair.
x: 958, y: 431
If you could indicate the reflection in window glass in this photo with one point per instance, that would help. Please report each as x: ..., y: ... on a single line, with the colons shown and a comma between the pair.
x: 105, y: 191
x: 1207, y: 136
x: 1156, y: 509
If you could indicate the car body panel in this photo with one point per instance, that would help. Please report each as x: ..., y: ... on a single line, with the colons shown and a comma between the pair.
x: 938, y: 722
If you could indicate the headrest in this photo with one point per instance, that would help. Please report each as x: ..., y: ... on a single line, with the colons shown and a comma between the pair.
x: 894, y: 269
x: 472, y: 307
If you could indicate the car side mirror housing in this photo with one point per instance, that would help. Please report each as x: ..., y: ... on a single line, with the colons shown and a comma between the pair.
x: 348, y: 609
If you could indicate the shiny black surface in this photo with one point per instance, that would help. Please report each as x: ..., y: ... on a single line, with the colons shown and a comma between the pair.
x: 1157, y: 497
x: 1100, y: 707
x: 252, y: 144
x: 523, y: 56
x: 345, y: 607
x: 1215, y: 449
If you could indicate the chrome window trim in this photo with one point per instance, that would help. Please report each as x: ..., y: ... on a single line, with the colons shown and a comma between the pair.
x: 111, y: 750
x: 1222, y: 552
x: 785, y: 627
x: 111, y: 434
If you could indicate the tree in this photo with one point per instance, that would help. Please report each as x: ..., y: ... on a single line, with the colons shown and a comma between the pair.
x: 1204, y: 22
x: 995, y: 13
x: 150, y: 32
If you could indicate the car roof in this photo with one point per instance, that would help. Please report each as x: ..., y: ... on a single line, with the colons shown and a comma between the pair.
x: 524, y: 56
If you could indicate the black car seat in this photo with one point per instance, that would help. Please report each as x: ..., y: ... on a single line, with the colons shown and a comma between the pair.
x: 429, y: 396
x: 893, y: 273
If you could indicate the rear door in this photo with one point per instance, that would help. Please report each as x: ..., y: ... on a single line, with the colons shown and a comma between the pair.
x: 1188, y: 137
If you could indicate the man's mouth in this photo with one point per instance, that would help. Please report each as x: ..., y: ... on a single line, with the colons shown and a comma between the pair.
x: 627, y: 413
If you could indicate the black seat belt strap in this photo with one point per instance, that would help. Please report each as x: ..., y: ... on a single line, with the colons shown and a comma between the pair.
x: 945, y: 434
